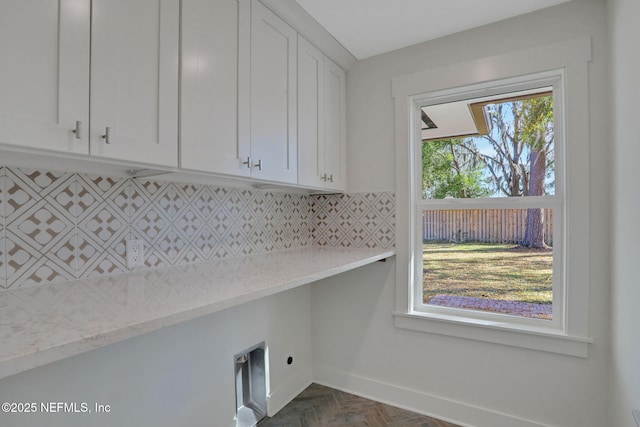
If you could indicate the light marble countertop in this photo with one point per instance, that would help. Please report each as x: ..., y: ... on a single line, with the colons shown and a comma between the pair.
x: 40, y: 325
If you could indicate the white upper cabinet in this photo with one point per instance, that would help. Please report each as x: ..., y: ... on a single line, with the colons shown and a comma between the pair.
x: 201, y: 85
x: 209, y: 87
x: 273, y: 98
x: 91, y: 77
x: 44, y: 74
x: 321, y: 120
x: 134, y: 80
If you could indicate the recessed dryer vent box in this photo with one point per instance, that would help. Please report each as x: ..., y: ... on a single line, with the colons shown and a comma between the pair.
x: 251, y: 388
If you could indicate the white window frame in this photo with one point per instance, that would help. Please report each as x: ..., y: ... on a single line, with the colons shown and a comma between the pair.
x: 505, y: 88
x: 564, y: 66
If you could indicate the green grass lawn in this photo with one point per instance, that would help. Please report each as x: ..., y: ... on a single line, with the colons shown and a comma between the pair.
x: 487, y: 270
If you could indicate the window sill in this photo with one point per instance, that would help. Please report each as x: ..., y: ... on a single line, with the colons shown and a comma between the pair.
x: 541, y: 339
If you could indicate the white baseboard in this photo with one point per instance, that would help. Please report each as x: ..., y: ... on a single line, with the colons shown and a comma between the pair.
x: 431, y: 405
x: 287, y: 390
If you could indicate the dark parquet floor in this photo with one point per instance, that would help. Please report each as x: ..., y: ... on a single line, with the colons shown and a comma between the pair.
x: 320, y: 406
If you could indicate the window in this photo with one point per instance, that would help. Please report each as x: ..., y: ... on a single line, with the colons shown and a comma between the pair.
x: 492, y: 205
x: 490, y: 190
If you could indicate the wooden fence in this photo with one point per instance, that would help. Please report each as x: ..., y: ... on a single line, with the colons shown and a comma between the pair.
x: 488, y: 226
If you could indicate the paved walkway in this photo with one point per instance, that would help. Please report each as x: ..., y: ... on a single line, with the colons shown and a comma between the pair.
x: 525, y: 309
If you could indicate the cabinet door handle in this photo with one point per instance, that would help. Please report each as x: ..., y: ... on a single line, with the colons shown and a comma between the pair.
x: 324, y: 177
x: 107, y: 132
x: 258, y: 165
x: 330, y: 179
x: 248, y: 162
x: 77, y: 130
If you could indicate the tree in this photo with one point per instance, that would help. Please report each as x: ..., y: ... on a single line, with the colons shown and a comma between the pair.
x: 522, y: 139
x: 537, y: 132
x: 449, y: 170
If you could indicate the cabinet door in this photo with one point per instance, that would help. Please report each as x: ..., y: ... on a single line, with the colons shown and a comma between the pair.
x: 134, y: 80
x: 209, y: 90
x: 273, y: 96
x: 334, y: 126
x: 310, y: 115
x: 44, y: 74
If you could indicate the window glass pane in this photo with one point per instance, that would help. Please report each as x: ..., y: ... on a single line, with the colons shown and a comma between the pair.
x: 495, y: 260
x: 513, y: 155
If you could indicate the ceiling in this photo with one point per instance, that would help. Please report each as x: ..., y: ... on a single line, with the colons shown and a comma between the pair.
x: 371, y: 27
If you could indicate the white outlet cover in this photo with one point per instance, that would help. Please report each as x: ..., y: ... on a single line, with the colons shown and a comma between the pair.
x: 135, y: 253
x: 636, y: 416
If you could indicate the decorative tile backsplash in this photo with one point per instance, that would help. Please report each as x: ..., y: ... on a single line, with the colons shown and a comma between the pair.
x: 364, y: 220
x: 57, y: 226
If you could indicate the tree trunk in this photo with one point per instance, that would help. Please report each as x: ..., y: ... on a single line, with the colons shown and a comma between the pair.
x: 534, y: 233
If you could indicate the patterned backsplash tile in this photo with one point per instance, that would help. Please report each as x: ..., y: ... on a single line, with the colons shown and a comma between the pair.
x: 102, y: 224
x: 57, y: 226
x: 40, y: 241
x: 365, y: 220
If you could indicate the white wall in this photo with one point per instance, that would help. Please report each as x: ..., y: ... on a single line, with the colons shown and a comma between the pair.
x: 625, y: 63
x: 355, y: 343
x: 179, y: 376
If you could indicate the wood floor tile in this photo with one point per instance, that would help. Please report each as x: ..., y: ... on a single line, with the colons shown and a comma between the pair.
x: 319, y: 406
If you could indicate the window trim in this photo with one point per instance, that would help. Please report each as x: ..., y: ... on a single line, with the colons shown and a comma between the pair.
x: 570, y: 334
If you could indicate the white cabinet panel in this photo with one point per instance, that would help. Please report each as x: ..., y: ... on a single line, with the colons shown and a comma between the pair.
x: 44, y: 74
x: 321, y: 120
x: 334, y: 126
x: 273, y: 96
x: 209, y: 88
x: 310, y: 114
x: 134, y: 80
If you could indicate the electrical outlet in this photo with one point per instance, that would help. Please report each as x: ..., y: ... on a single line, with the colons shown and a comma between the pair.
x: 636, y: 417
x: 135, y: 253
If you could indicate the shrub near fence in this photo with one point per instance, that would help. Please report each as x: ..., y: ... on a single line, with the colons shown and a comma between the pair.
x: 480, y: 225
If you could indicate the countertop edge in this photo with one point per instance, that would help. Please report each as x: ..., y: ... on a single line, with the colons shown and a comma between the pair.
x: 41, y: 357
